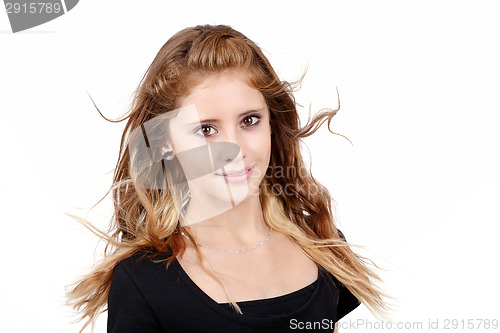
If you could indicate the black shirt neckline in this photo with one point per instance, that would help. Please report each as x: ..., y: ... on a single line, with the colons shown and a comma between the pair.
x: 253, y: 319
x: 309, y: 289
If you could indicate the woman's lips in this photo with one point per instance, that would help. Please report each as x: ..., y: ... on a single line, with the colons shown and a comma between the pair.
x: 237, y: 176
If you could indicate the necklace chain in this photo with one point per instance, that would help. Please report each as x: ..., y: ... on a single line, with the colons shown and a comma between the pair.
x: 233, y: 251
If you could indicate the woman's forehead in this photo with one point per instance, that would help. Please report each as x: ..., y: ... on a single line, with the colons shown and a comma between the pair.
x: 225, y: 93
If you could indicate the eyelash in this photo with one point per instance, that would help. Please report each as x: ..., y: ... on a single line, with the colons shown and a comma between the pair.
x: 210, y: 126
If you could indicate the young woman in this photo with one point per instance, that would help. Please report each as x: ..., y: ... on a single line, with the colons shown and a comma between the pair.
x: 218, y: 225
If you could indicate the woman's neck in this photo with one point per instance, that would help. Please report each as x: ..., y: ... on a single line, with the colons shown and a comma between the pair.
x: 240, y: 226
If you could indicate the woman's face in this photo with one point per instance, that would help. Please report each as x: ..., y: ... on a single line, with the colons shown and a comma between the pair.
x: 222, y: 139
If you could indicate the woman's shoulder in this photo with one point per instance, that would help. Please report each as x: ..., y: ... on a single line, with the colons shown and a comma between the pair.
x: 143, y: 257
x: 138, y: 286
x: 144, y: 268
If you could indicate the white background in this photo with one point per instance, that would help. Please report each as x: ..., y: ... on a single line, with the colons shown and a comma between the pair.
x: 419, y: 84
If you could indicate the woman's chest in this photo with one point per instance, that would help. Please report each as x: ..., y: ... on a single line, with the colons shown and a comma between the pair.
x: 279, y: 270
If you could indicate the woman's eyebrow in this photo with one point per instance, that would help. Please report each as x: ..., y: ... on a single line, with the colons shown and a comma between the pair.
x: 216, y: 120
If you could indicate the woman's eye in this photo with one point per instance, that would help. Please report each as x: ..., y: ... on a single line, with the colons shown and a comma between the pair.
x: 205, y: 130
x: 209, y: 130
x: 249, y: 122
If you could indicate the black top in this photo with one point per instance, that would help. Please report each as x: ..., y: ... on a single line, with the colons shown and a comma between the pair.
x: 277, y: 305
x: 145, y: 296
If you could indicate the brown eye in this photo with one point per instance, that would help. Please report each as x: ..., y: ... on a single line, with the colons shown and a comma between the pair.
x: 205, y: 130
x: 249, y: 121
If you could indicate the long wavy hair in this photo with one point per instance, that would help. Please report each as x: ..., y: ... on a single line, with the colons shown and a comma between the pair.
x: 148, y: 218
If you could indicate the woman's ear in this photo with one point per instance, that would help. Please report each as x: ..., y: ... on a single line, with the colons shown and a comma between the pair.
x: 167, y: 152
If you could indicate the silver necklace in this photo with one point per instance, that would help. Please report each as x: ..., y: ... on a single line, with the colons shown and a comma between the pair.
x: 234, y: 251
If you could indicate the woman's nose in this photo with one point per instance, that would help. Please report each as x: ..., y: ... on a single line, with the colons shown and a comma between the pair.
x: 230, y: 145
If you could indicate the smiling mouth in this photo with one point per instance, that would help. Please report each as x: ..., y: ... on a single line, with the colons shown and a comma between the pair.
x: 235, y: 173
